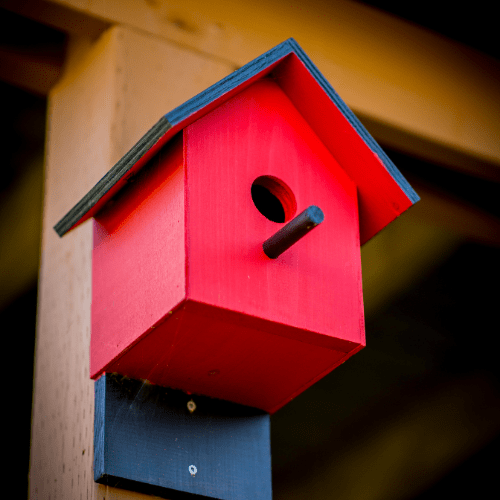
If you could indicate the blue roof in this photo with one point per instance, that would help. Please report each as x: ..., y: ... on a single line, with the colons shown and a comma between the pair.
x: 201, y: 104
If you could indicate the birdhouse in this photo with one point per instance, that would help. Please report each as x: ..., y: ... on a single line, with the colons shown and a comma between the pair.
x: 226, y: 252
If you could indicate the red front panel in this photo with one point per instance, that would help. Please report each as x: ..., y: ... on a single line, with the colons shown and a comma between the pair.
x: 316, y: 284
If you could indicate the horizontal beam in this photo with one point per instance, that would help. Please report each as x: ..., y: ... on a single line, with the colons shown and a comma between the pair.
x: 400, y: 77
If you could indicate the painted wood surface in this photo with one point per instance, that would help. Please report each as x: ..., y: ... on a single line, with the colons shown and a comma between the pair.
x: 206, y: 350
x: 147, y: 439
x: 184, y: 295
x: 114, y: 179
x: 316, y: 284
x: 384, y: 193
x: 138, y: 261
x: 95, y: 115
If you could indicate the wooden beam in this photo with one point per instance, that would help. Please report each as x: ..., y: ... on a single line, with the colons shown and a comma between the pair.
x: 406, y: 80
x: 112, y: 89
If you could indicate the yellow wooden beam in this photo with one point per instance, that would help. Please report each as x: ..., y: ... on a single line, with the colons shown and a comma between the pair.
x: 420, y: 92
x: 110, y: 92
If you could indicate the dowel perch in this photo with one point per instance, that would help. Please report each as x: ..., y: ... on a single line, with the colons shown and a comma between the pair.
x: 296, y: 229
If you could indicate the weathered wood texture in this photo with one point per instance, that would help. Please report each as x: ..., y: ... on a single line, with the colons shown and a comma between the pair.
x: 96, y: 113
x: 401, y: 78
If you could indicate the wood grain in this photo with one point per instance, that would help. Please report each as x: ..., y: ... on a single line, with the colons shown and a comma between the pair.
x: 88, y: 111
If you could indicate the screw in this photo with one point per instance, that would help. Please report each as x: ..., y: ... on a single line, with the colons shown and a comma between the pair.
x: 191, y: 407
x: 192, y: 470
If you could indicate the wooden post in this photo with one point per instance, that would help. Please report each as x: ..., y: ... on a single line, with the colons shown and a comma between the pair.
x: 111, y: 91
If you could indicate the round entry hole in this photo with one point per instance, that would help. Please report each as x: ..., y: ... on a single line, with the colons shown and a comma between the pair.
x: 273, y: 198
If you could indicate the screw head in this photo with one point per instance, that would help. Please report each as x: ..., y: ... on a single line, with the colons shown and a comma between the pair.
x: 192, y: 470
x: 191, y: 406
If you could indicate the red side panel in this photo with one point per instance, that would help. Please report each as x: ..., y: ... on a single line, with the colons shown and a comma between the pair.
x: 138, y: 261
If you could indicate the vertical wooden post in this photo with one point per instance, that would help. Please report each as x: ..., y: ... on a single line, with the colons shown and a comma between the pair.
x: 112, y: 91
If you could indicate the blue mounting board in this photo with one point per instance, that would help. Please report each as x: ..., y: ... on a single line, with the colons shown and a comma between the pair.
x: 147, y: 440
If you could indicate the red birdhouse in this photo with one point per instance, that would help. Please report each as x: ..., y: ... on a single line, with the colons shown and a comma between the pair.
x: 185, y: 292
